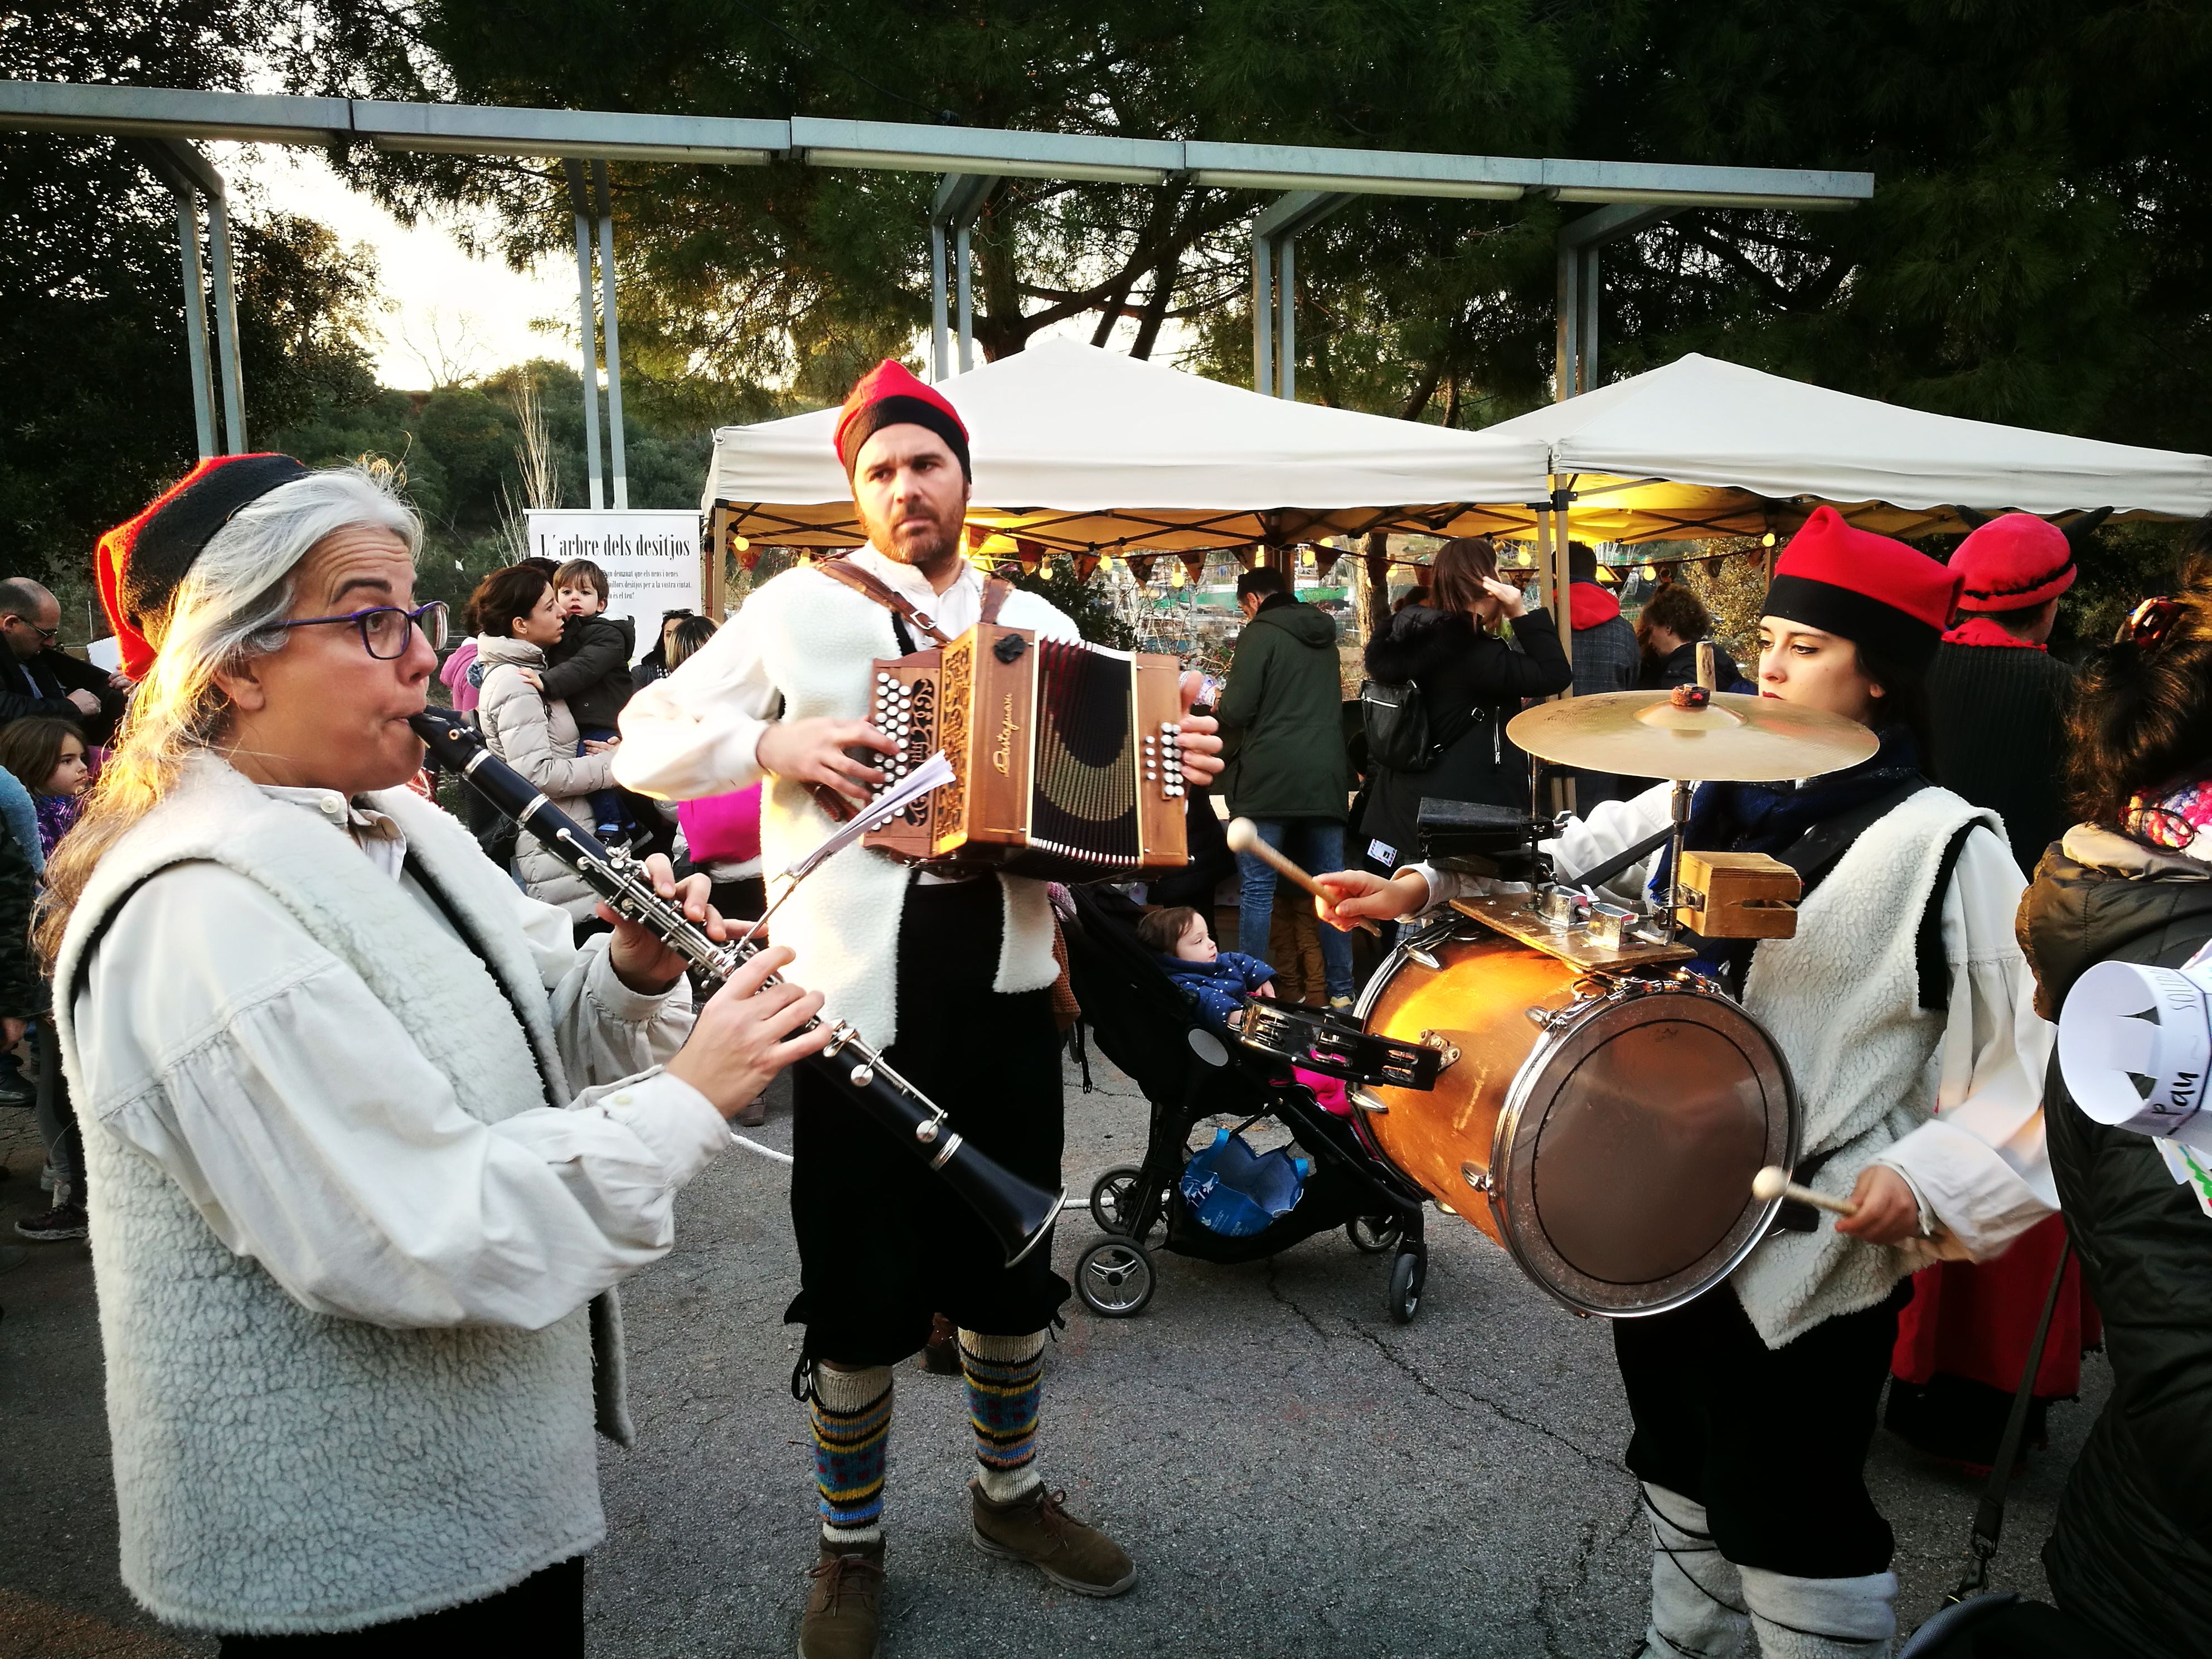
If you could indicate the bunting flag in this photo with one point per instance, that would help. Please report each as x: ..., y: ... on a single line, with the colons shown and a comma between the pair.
x: 1195, y: 564
x: 1030, y: 553
x: 1086, y: 566
x: 1246, y: 554
x: 1141, y: 567
x: 1325, y: 558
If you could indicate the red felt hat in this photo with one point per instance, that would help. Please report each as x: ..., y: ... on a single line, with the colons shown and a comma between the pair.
x: 2014, y: 562
x: 1870, y: 590
x: 140, y: 562
x: 890, y: 395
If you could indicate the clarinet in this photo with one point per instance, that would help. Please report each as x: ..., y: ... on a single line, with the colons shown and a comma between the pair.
x: 1019, y: 1213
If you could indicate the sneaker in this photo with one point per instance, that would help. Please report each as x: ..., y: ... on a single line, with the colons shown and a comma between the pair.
x: 17, y: 1091
x: 845, y: 1605
x: 1037, y: 1529
x: 63, y: 1221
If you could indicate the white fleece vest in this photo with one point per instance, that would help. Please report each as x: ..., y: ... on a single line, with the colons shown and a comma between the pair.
x: 818, y: 639
x: 279, y: 1470
x: 1843, y: 1001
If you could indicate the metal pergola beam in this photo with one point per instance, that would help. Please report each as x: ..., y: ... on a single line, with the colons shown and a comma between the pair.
x: 1274, y: 285
x: 475, y: 129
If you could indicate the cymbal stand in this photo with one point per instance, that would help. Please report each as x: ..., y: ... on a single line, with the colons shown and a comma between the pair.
x: 1681, y: 805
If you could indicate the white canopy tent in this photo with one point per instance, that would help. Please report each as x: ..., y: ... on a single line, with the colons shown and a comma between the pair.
x: 1704, y: 447
x: 1083, y: 450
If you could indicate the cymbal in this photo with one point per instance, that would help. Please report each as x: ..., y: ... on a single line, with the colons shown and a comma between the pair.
x: 1737, y: 738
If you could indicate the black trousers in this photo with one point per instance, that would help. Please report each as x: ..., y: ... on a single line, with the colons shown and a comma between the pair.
x: 541, y: 1617
x: 884, y: 1242
x: 1771, y: 1441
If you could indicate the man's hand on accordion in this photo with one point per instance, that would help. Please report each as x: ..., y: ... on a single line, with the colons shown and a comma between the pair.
x: 1201, y: 746
x: 814, y: 751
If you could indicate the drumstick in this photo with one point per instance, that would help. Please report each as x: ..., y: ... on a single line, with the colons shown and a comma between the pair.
x: 1773, y: 1182
x: 1243, y: 836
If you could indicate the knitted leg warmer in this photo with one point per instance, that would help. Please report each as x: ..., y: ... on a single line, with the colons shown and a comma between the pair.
x: 852, y: 1416
x: 1005, y: 1377
x: 1822, y: 1618
x: 1697, y: 1595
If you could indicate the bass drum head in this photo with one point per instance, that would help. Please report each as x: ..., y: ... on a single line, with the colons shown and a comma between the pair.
x: 1623, y: 1162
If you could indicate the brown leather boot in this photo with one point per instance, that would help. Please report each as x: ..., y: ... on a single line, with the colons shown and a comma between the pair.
x: 1037, y: 1529
x: 845, y: 1605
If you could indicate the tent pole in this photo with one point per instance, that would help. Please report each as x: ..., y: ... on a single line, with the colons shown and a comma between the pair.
x: 1263, y: 302
x: 962, y: 264
x: 1567, y: 309
x: 229, y: 371
x: 940, y: 347
x: 1592, y: 286
x: 196, y: 344
x: 1286, y: 319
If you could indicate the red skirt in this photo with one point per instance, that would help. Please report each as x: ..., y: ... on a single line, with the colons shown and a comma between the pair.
x: 1977, y: 1320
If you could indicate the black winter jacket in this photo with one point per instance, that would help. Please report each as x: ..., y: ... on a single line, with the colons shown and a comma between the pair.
x: 41, y: 684
x: 589, y: 669
x: 1471, y: 685
x: 23, y: 992
x: 2131, y: 1553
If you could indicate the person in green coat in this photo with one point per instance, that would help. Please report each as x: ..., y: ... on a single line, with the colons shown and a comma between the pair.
x: 1282, y: 713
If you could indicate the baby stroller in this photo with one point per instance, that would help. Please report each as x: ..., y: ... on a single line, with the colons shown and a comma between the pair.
x: 1188, y: 1071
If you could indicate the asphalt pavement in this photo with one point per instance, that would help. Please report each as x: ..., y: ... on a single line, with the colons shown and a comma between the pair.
x: 1295, y: 1474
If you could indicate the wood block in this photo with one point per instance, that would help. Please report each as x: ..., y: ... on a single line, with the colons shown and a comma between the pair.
x: 1739, y: 896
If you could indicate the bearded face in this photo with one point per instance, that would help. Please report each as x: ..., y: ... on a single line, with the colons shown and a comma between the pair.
x: 912, y: 496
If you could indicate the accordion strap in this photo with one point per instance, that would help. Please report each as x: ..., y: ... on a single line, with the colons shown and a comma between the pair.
x: 994, y: 598
x: 872, y: 588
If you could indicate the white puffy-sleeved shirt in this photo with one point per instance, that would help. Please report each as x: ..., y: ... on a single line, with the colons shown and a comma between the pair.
x: 694, y: 734
x: 294, y: 1111
x: 1979, y: 1164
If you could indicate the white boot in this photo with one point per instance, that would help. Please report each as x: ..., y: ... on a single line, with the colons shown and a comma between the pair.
x: 1697, y: 1599
x: 1822, y: 1618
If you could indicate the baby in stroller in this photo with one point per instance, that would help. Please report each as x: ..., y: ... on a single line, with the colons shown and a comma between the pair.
x: 1216, y: 983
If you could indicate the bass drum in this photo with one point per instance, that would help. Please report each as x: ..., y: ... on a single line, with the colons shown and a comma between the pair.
x: 1605, y: 1130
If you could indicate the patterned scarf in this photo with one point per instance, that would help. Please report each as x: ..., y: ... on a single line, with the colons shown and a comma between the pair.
x: 2181, y: 821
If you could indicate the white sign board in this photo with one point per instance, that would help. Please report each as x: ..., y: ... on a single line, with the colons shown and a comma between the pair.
x: 651, y: 557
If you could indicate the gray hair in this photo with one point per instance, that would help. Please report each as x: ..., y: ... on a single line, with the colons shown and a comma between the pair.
x: 224, y: 613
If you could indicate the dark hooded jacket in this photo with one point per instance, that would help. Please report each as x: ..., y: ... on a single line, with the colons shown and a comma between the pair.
x: 2131, y: 1553
x: 589, y: 669
x: 1282, y: 713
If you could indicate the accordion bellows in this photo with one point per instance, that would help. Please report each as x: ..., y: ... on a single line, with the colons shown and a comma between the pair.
x: 1065, y: 759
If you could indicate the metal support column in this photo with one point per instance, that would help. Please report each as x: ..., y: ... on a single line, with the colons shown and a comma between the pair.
x: 196, y: 344
x: 1274, y: 286
x: 586, y: 331
x: 1263, y: 315
x: 229, y: 371
x: 960, y: 200
x: 605, y: 203
x: 1581, y: 286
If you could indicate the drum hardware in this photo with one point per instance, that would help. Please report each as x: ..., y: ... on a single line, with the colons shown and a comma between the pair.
x: 1478, y: 1179
x: 1614, y: 925
x: 1311, y: 1039
x: 1366, y: 1102
x: 1437, y: 1040
x: 1561, y: 907
x: 1421, y: 957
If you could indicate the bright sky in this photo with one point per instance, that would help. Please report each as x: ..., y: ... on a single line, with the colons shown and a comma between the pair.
x: 450, y: 316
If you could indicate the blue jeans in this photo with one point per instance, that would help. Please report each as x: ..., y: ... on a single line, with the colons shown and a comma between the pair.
x: 606, y: 804
x: 1318, y: 845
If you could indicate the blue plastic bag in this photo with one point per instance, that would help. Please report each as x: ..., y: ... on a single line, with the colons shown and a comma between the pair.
x: 1235, y: 1191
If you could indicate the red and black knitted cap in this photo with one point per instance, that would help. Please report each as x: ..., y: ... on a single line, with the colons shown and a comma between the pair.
x: 1866, y: 588
x: 141, y: 563
x: 890, y: 395
x: 2014, y: 561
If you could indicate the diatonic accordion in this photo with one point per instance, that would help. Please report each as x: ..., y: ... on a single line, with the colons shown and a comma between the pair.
x: 1065, y: 755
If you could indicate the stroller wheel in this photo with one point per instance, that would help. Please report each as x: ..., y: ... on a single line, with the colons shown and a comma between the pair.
x: 1113, y: 1278
x: 1114, y: 1198
x: 1374, y: 1235
x: 1407, y: 1275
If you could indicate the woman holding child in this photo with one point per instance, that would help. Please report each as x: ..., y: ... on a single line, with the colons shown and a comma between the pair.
x: 518, y: 616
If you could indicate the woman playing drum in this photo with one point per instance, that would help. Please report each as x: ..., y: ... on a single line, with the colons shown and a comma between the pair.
x: 1905, y: 1013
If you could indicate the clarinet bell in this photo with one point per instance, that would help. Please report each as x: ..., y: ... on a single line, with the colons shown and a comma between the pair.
x: 1019, y: 1213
